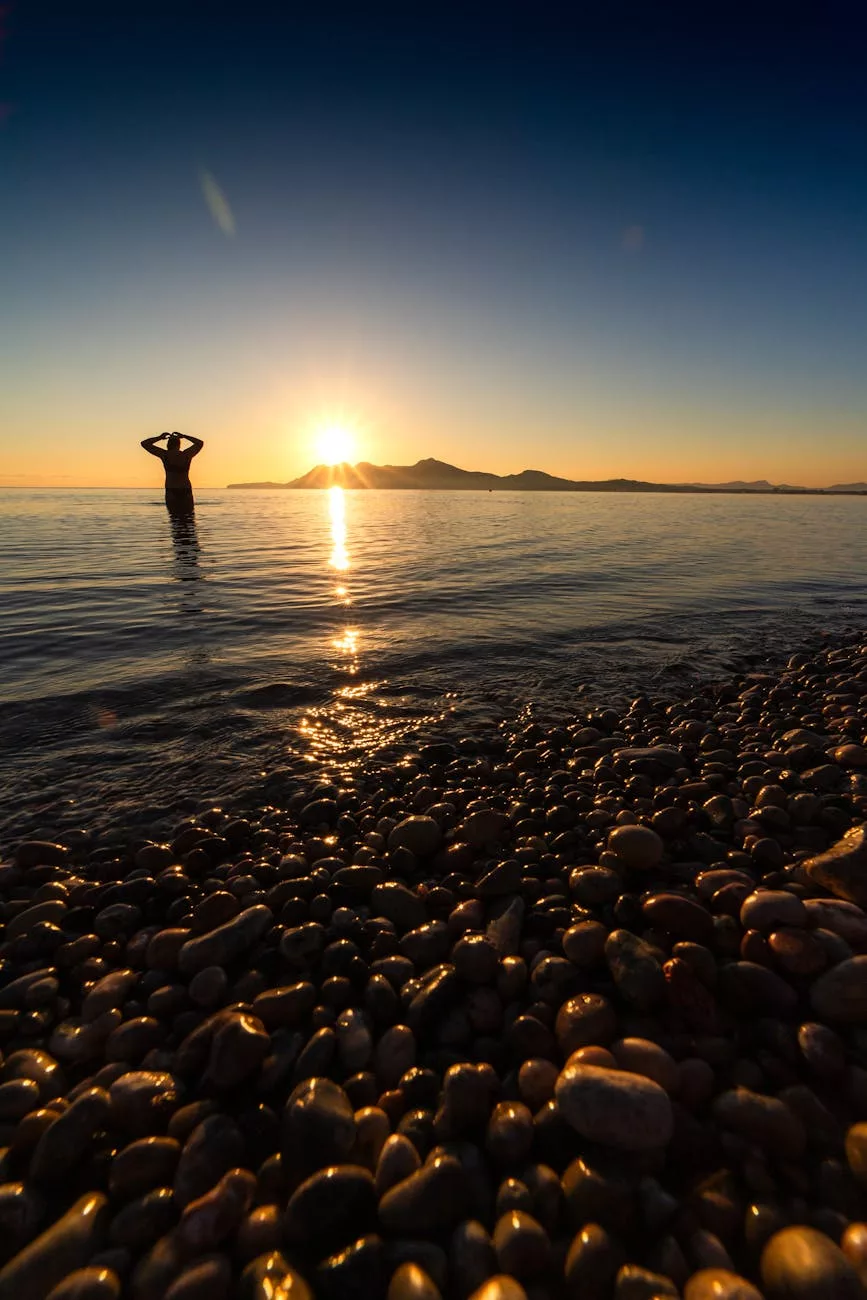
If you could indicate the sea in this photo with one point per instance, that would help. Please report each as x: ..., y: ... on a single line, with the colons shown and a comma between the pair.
x: 151, y: 666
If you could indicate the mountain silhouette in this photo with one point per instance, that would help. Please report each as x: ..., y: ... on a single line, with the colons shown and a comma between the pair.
x: 436, y: 475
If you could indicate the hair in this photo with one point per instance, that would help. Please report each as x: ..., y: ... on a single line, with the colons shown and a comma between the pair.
x: 174, y: 441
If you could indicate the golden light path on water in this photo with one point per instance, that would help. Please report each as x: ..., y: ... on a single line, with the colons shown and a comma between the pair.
x: 359, y: 719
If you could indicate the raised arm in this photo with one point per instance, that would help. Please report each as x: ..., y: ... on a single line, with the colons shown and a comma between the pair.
x: 150, y: 444
x: 196, y: 444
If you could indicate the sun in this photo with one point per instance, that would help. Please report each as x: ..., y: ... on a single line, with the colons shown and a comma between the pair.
x: 335, y: 443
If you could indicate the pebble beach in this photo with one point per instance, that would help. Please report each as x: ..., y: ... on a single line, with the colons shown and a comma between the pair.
x: 570, y: 1011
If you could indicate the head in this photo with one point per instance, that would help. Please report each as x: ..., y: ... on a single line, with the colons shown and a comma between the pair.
x: 173, y: 442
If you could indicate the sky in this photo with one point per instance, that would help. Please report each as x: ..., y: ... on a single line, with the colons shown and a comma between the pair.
x: 598, y: 240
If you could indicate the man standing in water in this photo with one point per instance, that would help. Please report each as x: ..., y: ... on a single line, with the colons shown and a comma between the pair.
x: 176, y: 462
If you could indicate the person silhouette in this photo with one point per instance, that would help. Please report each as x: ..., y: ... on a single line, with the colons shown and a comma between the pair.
x: 176, y: 463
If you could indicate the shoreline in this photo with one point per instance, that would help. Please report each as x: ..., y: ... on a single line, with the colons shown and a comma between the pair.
x: 523, y: 997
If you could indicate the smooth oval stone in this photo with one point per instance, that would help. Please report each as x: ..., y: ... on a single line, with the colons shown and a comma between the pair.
x: 856, y: 1151
x: 768, y: 909
x: 410, y: 1282
x: 318, y: 1126
x: 634, y: 1283
x: 635, y: 969
x: 22, y: 1209
x: 637, y: 847
x: 500, y: 1287
x: 640, y: 1056
x: 800, y: 1263
x: 209, y: 1278
x: 483, y: 827
x: 395, y: 1053
x: 33, y: 1063
x: 261, y: 1231
x: 331, y: 1208
x: 37, y: 853
x: 584, y: 943
x: 591, y: 1264
x: 143, y: 1221
x: 213, y: 1148
x: 843, y: 919
x: 843, y: 868
x: 679, y: 916
x: 421, y: 835
x: 841, y: 993
x: 94, y: 1283
x: 109, y: 992
x: 509, y: 1137
x: 430, y: 1201
x: 17, y: 1098
x: 397, y: 1160
x: 271, y: 1277
x: 52, y: 910
x: 475, y: 958
x: 354, y: 1040
x: 227, y: 943
x: 69, y: 1139
x: 398, y: 904
x: 522, y: 1246
x: 141, y: 1165
x: 719, y: 1284
x: 750, y: 989
x: 764, y: 1120
x: 67, y: 1245
x: 471, y: 1257
x: 287, y: 1006
x: 142, y: 1100
x: 238, y: 1049
x: 822, y: 1049
x: 355, y: 1273
x: 218, y: 1214
x: 614, y: 1107
x: 585, y: 1020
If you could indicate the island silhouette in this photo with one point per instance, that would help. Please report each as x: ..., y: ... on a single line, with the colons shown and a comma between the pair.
x: 436, y: 475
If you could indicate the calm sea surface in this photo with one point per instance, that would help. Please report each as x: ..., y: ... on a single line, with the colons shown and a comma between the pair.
x: 146, y: 666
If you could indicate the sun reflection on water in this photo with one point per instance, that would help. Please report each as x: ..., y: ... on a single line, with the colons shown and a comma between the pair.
x: 337, y: 513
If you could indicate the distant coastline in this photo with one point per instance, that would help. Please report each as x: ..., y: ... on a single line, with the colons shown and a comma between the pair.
x: 437, y: 476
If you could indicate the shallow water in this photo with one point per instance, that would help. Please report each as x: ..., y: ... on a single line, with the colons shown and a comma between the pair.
x: 146, y: 665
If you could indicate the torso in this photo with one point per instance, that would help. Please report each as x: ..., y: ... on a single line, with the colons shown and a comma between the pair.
x: 177, y: 467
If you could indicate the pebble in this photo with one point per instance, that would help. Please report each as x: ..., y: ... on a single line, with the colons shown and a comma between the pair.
x: 637, y: 847
x: 635, y: 969
x: 800, y: 1263
x: 421, y: 835
x: 856, y: 1151
x: 522, y: 1246
x: 614, y: 1107
x: 719, y: 1284
x: 840, y: 994
x: 341, y: 1023
x: 428, y: 1202
x: 226, y: 943
x: 68, y: 1141
x: 500, y: 1287
x: 410, y: 1282
x: 331, y: 1208
x: 65, y: 1246
x: 842, y: 869
x: 318, y: 1126
x: 585, y: 1020
x: 94, y: 1283
x: 764, y: 1120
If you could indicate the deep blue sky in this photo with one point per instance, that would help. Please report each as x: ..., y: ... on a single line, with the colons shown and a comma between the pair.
x: 618, y: 239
